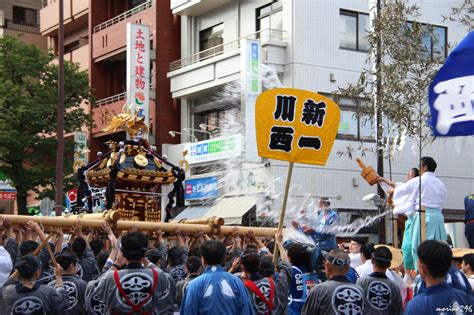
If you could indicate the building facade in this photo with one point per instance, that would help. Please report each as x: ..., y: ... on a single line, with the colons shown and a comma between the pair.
x: 22, y: 18
x: 311, y: 45
x: 18, y: 18
x: 95, y: 37
x: 107, y: 31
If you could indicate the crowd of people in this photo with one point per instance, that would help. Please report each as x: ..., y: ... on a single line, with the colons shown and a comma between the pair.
x: 132, y: 272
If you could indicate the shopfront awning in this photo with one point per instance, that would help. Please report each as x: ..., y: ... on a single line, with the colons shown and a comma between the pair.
x: 193, y: 212
x: 5, y: 186
x: 232, y: 209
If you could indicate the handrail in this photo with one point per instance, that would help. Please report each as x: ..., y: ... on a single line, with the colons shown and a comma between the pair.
x: 25, y: 27
x: 229, y: 46
x: 123, y: 16
x: 110, y: 99
x: 113, y: 98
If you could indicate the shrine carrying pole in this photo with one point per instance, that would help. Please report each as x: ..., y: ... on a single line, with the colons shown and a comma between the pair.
x: 96, y: 224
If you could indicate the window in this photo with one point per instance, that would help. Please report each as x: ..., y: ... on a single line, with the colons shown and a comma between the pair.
x: 270, y: 17
x: 438, y: 42
x: 71, y: 46
x: 215, y: 121
x: 211, y: 37
x: 352, y: 126
x: 353, y: 30
x: 348, y: 127
x: 24, y: 16
x: 434, y: 40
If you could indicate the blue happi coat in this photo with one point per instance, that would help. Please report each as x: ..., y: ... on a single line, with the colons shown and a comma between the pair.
x: 216, y: 292
x: 441, y: 299
x: 302, y: 281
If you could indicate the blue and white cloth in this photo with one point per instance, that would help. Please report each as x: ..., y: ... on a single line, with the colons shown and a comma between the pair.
x: 451, y: 94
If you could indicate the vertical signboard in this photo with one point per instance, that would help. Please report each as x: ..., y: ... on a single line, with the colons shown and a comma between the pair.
x: 80, y: 146
x: 138, y: 69
x: 251, y: 59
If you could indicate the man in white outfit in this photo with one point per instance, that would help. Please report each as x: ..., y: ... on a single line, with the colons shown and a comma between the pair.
x: 433, y: 197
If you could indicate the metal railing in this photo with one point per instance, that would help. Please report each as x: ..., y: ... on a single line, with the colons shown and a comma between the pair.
x: 123, y: 16
x: 113, y: 98
x: 110, y: 99
x: 265, y: 34
x: 22, y: 27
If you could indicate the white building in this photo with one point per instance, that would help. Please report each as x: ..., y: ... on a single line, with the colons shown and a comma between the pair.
x: 315, y: 45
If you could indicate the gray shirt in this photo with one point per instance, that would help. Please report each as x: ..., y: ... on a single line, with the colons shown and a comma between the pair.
x: 40, y: 299
x: 282, y: 288
x: 181, y: 288
x: 382, y: 295
x: 335, y: 296
x: 94, y: 305
x: 137, y: 283
x: 76, y: 290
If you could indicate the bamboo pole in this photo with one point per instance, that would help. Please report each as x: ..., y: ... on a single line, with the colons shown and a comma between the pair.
x: 395, y: 230
x: 283, y: 210
x: 423, y: 224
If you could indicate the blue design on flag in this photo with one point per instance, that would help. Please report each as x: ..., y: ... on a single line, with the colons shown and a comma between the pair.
x: 451, y: 94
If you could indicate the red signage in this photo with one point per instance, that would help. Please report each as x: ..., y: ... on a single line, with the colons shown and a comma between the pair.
x: 7, y: 195
x: 72, y: 195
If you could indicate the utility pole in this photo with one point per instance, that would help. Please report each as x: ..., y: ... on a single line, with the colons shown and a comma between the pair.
x: 60, y: 119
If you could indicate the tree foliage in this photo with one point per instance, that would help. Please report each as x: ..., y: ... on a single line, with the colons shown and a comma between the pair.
x: 28, y: 113
x: 463, y: 14
x: 406, y: 69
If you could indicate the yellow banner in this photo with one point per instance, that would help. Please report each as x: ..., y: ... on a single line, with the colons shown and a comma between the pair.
x: 296, y: 125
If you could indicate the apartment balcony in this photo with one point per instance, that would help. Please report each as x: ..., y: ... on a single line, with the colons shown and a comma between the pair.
x: 80, y: 56
x: 30, y: 33
x: 196, y: 7
x: 75, y: 16
x: 109, y: 38
x: 221, y: 64
x: 105, y: 108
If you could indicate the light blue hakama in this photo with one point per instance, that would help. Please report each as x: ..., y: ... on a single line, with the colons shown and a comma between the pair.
x: 434, y: 229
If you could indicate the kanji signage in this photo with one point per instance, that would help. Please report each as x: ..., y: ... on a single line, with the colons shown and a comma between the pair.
x: 451, y: 94
x: 251, y: 73
x: 138, y: 68
x: 296, y: 125
x: 80, y: 147
x: 8, y: 195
